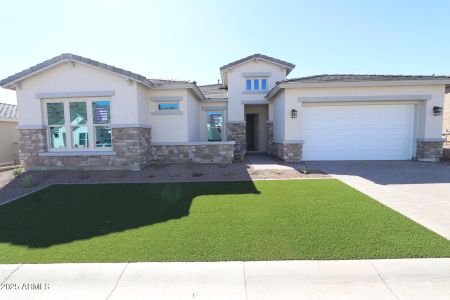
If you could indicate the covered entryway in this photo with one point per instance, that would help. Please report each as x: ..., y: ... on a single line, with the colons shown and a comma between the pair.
x: 256, y: 128
x: 357, y: 132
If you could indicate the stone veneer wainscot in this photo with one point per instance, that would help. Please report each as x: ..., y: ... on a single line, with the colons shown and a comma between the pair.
x: 236, y: 131
x: 130, y: 151
x: 196, y: 152
x: 429, y: 150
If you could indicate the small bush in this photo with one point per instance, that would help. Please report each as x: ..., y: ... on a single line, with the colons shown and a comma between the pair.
x: 18, y: 171
x: 28, y: 181
x: 254, y: 172
x: 123, y: 173
x: 83, y: 176
x: 174, y: 174
x: 45, y: 172
x: 227, y: 173
x: 277, y: 172
x: 197, y: 174
x: 304, y: 169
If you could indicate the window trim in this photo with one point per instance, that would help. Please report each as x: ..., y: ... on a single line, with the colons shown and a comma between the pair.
x: 68, y: 126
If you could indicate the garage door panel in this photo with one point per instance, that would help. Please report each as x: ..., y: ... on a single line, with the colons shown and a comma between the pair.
x: 363, y: 132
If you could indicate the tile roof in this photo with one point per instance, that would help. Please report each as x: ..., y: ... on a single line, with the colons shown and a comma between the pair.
x: 214, y: 91
x: 8, y: 111
x: 260, y: 56
x: 361, y: 77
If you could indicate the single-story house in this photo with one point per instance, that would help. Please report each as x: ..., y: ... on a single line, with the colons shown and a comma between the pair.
x: 9, y: 154
x: 77, y: 112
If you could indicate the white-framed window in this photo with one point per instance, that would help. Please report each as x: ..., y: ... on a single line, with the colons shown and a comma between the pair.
x: 256, y: 84
x: 78, y: 124
x: 214, y: 125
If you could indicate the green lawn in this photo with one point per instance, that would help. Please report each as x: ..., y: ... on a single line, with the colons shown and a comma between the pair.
x: 263, y: 220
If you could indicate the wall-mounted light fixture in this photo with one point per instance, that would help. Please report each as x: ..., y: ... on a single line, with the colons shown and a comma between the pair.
x: 293, y: 113
x: 437, y: 111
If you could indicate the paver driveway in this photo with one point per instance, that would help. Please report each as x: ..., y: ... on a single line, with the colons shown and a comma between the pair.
x: 420, y: 191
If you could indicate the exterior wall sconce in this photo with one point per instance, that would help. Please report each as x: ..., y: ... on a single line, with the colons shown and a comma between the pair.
x: 437, y: 111
x: 293, y: 113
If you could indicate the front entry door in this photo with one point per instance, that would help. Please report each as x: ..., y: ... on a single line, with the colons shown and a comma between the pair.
x: 251, y: 132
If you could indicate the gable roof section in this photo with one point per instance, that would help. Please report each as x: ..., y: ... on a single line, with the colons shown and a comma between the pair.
x: 7, y: 82
x: 214, y: 91
x: 289, y: 66
x: 8, y: 111
x: 10, y: 81
x: 357, y: 80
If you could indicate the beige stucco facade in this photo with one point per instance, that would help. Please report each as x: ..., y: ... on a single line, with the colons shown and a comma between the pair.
x: 8, y: 142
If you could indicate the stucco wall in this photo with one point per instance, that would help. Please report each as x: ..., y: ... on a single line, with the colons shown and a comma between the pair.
x: 279, y: 116
x: 8, y: 142
x: 193, y: 122
x: 236, y: 86
x: 447, y: 113
x: 68, y: 78
x: 166, y: 127
x: 426, y: 125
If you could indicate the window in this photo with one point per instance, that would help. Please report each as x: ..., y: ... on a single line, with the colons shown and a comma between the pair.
x: 256, y: 84
x: 214, y: 124
x: 57, y: 130
x: 78, y: 124
x: 84, y: 121
x: 264, y: 84
x: 169, y: 106
x: 101, y: 118
x: 249, y: 85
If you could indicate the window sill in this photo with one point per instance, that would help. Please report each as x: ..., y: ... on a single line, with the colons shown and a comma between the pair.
x: 173, y: 112
x: 77, y: 153
x: 254, y: 92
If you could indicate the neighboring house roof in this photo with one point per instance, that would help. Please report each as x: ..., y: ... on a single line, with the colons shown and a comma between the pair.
x: 8, y: 111
x: 214, y: 91
x: 10, y: 81
x: 357, y: 79
x: 289, y: 66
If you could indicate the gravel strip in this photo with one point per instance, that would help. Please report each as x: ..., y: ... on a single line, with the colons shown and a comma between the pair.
x: 12, y: 187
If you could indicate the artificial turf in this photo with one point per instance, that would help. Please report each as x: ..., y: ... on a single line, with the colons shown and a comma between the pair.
x: 209, y: 221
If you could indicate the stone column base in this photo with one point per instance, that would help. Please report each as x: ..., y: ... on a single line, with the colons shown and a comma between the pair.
x: 430, y: 151
x: 288, y: 152
x: 236, y: 131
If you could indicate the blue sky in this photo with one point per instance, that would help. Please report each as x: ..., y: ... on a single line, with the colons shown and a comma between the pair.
x: 192, y: 39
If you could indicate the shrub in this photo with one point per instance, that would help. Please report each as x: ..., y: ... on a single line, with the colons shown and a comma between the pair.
x: 123, y: 173
x: 227, y: 173
x: 83, y: 175
x: 18, y: 171
x: 277, y: 172
x: 197, y: 174
x: 304, y: 169
x: 174, y: 174
x: 28, y: 181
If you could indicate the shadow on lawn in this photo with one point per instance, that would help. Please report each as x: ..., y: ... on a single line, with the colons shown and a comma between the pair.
x: 65, y: 213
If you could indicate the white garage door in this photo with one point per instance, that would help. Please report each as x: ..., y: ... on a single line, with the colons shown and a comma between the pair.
x: 359, y: 132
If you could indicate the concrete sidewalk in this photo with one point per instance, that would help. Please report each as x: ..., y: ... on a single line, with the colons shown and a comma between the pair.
x: 357, y: 279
